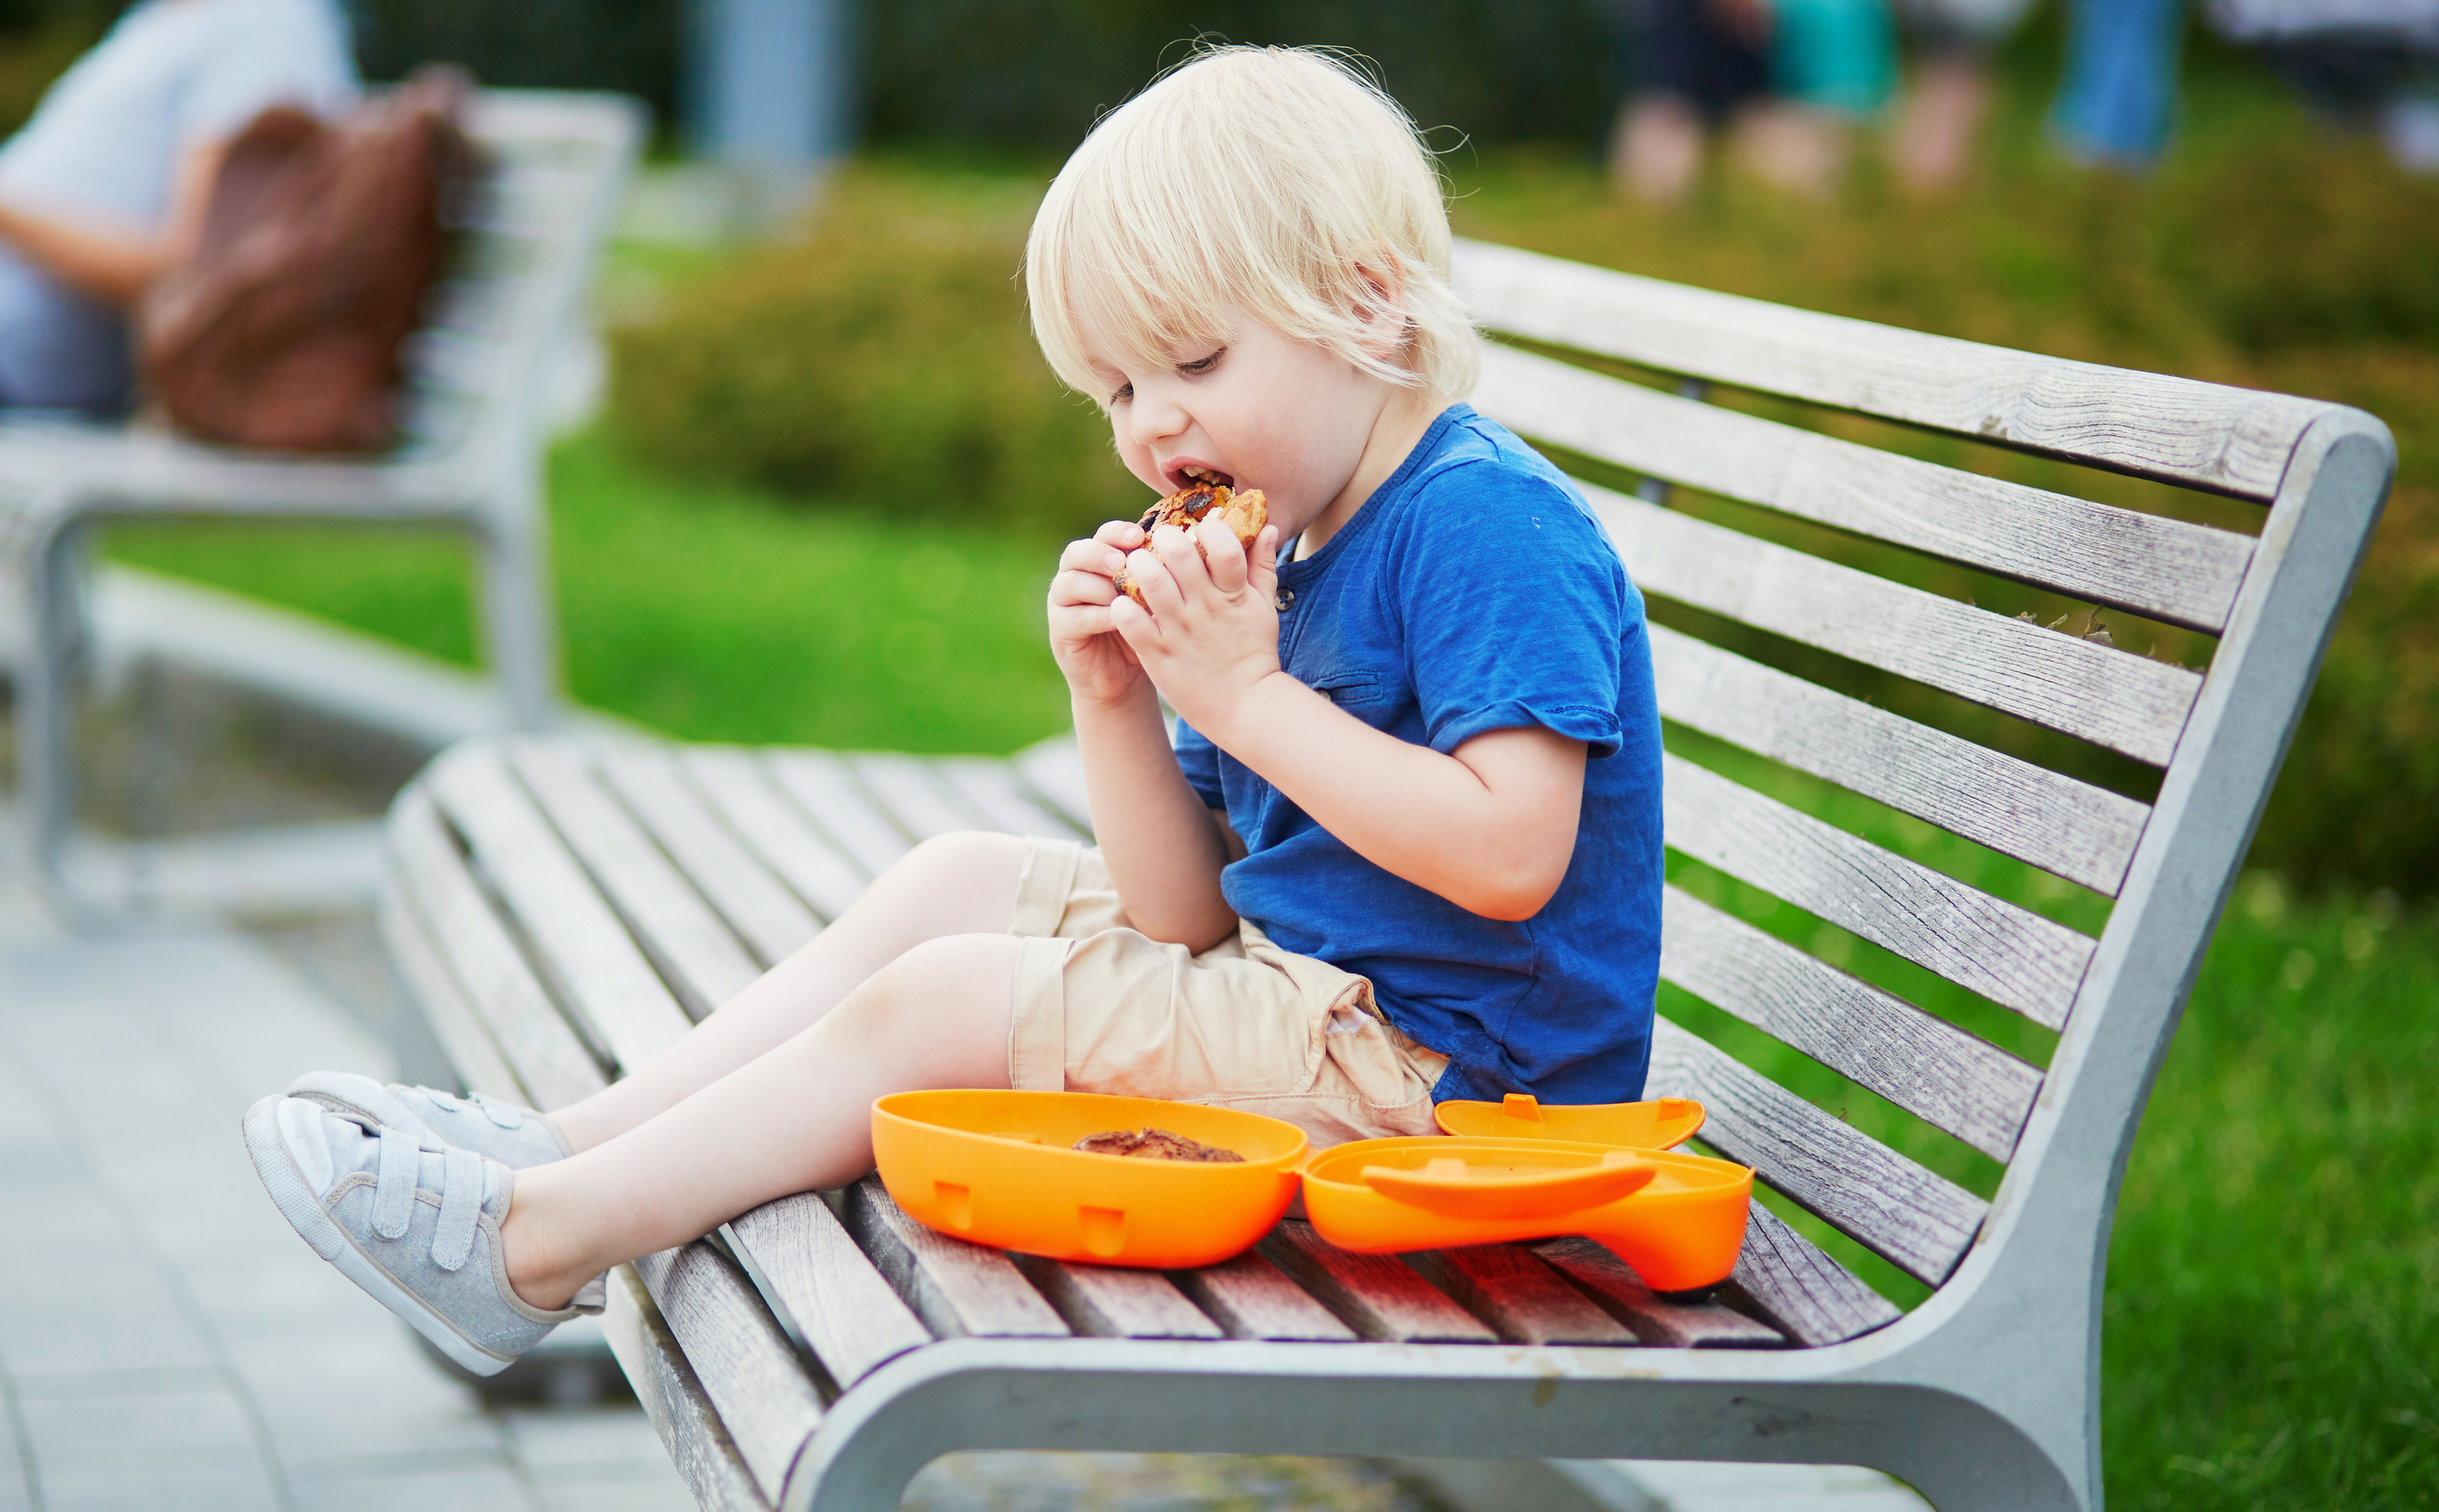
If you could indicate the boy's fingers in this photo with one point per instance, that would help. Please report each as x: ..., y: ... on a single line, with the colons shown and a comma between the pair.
x: 1081, y: 585
x: 1153, y: 580
x: 1222, y: 555
x: 1091, y: 556
x: 1124, y: 534
x: 1262, y: 568
x: 1184, y: 558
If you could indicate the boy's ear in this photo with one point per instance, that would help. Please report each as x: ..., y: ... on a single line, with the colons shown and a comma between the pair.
x: 1381, y: 304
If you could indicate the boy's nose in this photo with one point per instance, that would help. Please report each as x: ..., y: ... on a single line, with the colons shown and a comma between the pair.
x: 1155, y: 419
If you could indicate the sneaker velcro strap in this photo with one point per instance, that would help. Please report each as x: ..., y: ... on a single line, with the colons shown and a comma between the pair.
x: 393, y: 1183
x: 461, y: 1209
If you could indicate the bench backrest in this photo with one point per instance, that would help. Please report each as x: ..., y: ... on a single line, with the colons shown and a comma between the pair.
x: 557, y: 168
x: 2055, y: 1106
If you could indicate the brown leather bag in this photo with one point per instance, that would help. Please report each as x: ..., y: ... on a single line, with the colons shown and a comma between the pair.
x: 282, y: 329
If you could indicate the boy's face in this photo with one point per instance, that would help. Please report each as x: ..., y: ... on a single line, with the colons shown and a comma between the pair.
x: 1260, y: 409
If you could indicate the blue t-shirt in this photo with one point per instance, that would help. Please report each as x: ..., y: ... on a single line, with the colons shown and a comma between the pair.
x: 1474, y: 590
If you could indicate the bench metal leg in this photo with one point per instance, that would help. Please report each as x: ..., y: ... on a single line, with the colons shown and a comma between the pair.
x: 53, y: 636
x: 518, y: 623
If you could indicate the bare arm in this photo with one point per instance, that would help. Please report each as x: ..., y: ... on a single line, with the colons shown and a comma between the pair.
x: 1163, y: 848
x: 1490, y: 827
x: 116, y: 263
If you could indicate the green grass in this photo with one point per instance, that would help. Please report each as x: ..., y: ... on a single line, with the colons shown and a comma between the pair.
x: 713, y: 613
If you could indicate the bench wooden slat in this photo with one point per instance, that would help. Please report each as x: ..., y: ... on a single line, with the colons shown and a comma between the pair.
x: 1919, y: 1221
x: 594, y: 968
x: 1927, y: 1066
x: 911, y: 791
x: 771, y: 921
x: 687, y: 942
x: 2071, y: 828
x: 848, y: 1312
x: 958, y: 1290
x: 672, y: 1396
x: 1251, y: 1298
x: 463, y: 1036
x: 740, y: 787
x: 998, y: 794
x: 2165, y: 568
x: 2012, y: 957
x: 746, y: 1365
x: 821, y: 784
x: 1106, y: 1301
x: 2112, y: 697
x: 1794, y: 1284
x: 1508, y: 1287
x: 1056, y: 770
x: 2232, y: 440
x: 1378, y: 1297
x: 547, y: 1053
x: 1651, y: 1317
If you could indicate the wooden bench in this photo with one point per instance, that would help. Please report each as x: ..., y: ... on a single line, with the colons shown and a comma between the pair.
x: 565, y: 908
x: 480, y: 375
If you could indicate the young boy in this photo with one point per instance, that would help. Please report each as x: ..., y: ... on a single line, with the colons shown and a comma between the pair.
x: 1406, y: 846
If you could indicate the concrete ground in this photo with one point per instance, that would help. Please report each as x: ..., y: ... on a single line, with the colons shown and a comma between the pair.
x: 166, y: 1340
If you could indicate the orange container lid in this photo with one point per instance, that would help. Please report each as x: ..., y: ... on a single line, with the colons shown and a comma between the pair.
x: 998, y: 1168
x: 1661, y: 1123
x: 1678, y: 1219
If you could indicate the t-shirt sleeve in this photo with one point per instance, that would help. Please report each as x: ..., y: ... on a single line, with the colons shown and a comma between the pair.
x: 1199, y: 760
x: 273, y: 55
x: 1515, y: 609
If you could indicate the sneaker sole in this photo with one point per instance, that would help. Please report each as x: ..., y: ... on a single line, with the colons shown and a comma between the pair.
x: 359, y: 1105
x: 304, y: 1212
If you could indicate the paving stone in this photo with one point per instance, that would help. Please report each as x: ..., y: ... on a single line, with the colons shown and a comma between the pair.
x: 94, y: 1433
x: 602, y: 1438
x: 392, y: 1488
x: 185, y: 1487
x: 54, y: 1335
x: 646, y: 1488
x: 367, y: 1390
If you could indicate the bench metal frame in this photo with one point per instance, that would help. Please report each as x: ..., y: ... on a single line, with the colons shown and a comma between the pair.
x: 473, y: 463
x: 563, y: 908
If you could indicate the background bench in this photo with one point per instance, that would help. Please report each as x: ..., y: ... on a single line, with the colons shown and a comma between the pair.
x: 564, y: 908
x: 481, y: 377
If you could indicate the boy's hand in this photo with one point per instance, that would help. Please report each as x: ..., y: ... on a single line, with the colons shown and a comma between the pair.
x: 1212, y: 630
x: 1100, y: 666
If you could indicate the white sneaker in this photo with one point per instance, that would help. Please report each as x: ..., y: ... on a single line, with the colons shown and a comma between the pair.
x: 516, y: 1137
x: 417, y: 1228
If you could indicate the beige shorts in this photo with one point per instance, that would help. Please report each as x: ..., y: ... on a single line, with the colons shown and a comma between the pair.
x: 1100, y: 1008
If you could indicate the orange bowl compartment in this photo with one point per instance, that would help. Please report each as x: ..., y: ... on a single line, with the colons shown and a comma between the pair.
x: 997, y: 1168
x: 1679, y: 1228
x: 1661, y: 1123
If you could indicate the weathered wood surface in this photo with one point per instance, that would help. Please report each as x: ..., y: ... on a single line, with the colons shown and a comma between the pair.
x: 773, y: 922
x: 673, y: 1397
x: 1652, y: 1319
x: 593, y: 966
x: 999, y: 795
x: 746, y: 1365
x: 741, y: 789
x: 2232, y: 440
x: 2112, y: 697
x: 464, y: 1037
x: 546, y: 1053
x: 1109, y: 1303
x: 957, y: 1288
x: 1508, y: 1287
x: 685, y: 940
x: 1378, y: 1297
x: 1914, y: 1218
x: 912, y: 792
x: 2171, y: 570
x: 1791, y: 1281
x: 820, y: 783
x: 848, y: 1313
x: 1956, y: 1082
x: 2071, y: 828
x: 1056, y: 770
x: 1251, y: 1298
x: 2012, y: 957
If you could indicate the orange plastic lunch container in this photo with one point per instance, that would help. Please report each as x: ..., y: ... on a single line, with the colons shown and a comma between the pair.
x: 997, y: 1168
x: 1678, y: 1219
x: 1661, y: 1123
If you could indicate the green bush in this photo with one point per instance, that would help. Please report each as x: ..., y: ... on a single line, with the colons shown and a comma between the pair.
x: 882, y: 361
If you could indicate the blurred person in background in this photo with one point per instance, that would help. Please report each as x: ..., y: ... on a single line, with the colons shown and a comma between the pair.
x: 1790, y: 77
x: 105, y: 187
x: 2118, y: 96
x: 2358, y: 64
x: 1933, y: 144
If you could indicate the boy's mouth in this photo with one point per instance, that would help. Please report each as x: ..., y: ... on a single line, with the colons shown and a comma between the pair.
x: 1210, y: 477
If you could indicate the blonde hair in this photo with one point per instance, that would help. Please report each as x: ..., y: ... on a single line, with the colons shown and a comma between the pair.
x: 1276, y: 181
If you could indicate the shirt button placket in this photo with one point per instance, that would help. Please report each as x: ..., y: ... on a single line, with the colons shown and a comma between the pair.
x: 1286, y: 599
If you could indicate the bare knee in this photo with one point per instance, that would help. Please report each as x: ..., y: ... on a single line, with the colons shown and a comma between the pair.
x: 946, y: 1002
x: 969, y: 877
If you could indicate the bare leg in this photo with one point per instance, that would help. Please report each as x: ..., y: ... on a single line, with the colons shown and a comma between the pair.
x: 790, y: 1120
x: 1801, y: 148
x: 1932, y: 145
x: 1656, y: 150
x: 952, y: 884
